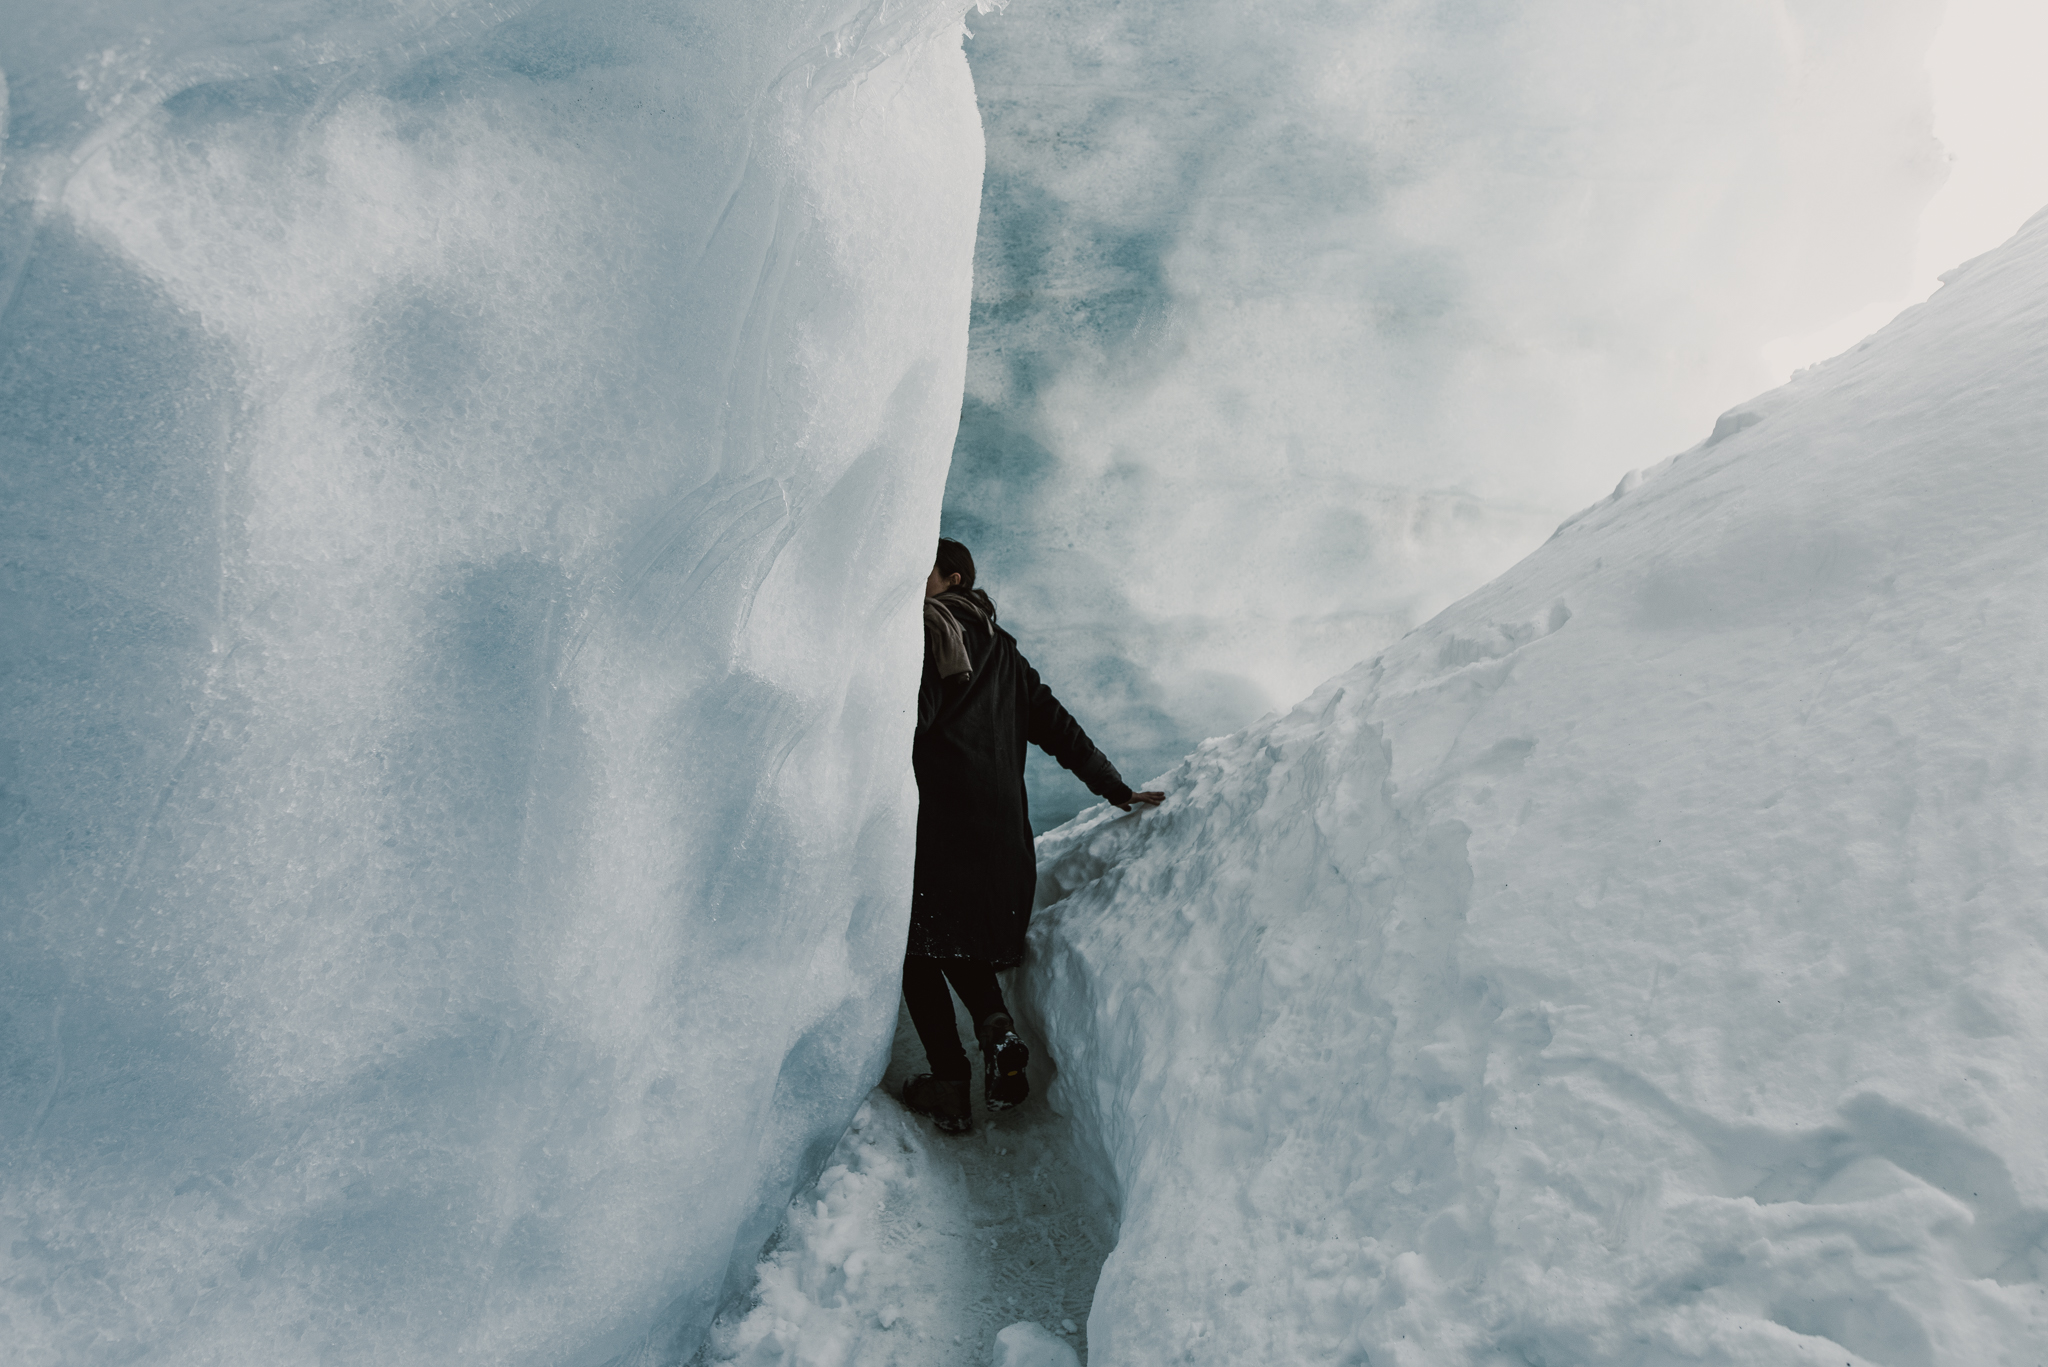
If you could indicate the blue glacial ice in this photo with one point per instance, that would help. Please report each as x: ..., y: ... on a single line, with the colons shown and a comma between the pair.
x: 466, y: 471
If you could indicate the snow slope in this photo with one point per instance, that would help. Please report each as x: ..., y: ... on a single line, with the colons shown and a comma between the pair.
x: 1644, y: 961
x: 464, y: 473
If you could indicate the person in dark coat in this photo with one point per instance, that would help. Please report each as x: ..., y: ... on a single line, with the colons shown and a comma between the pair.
x: 979, y: 703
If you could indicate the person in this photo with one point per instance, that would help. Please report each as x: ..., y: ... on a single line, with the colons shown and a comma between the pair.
x: 978, y: 704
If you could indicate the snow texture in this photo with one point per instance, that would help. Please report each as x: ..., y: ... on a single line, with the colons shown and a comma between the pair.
x: 1643, y: 961
x: 1296, y: 321
x: 465, y: 470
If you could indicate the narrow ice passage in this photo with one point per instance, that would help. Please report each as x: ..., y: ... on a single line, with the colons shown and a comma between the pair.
x: 915, y: 1249
x: 464, y: 466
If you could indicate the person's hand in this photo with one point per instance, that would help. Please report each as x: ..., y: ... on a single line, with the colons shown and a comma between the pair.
x: 1143, y: 799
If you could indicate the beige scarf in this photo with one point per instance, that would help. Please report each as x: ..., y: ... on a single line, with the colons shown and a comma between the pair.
x: 943, y: 640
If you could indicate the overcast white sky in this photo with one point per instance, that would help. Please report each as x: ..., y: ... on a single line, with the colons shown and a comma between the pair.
x: 1990, y: 71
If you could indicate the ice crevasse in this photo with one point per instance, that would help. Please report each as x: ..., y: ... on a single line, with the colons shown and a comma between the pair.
x: 1643, y: 961
x: 465, y: 471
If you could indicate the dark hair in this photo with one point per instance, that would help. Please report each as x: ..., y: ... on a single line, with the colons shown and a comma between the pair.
x: 955, y: 558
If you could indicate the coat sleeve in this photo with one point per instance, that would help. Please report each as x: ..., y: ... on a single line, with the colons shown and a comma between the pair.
x: 1054, y: 730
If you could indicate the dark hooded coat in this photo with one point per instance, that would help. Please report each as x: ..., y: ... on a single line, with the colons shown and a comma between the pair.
x: 976, y: 871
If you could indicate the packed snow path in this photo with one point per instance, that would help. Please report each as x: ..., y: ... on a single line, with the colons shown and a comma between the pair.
x: 915, y: 1249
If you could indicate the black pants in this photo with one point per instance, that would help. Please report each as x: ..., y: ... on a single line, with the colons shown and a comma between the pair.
x: 931, y: 1007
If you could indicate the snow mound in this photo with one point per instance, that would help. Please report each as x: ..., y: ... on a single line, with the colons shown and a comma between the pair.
x: 1641, y: 962
x: 1025, y: 1344
x: 464, y: 472
x: 840, y: 1279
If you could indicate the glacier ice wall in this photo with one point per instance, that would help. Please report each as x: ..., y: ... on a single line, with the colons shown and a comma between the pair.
x: 466, y: 472
x: 1642, y: 961
x: 1295, y: 322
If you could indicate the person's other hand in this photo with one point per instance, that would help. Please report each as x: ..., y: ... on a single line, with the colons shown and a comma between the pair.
x: 1143, y: 799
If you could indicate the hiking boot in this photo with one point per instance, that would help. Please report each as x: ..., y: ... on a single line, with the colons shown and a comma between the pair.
x: 945, y: 1102
x: 1003, y: 1057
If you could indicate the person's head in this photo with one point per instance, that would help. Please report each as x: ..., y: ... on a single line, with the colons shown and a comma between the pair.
x: 953, y: 569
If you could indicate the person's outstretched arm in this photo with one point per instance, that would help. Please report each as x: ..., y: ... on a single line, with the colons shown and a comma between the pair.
x: 1054, y: 730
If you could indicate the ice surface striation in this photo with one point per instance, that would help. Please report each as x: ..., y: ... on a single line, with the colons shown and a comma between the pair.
x: 1643, y: 961
x: 465, y: 470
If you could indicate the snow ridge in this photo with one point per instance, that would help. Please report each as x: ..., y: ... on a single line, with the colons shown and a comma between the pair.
x: 1639, y: 963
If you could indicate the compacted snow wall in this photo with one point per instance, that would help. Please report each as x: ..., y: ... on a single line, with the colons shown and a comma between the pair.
x: 1296, y: 321
x: 1642, y: 962
x: 466, y: 473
